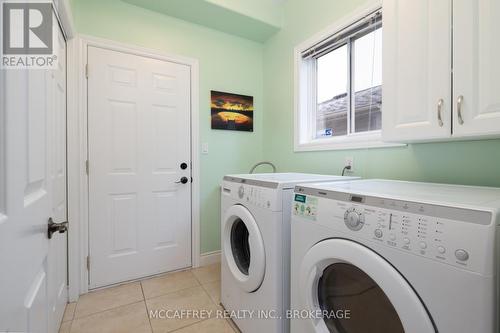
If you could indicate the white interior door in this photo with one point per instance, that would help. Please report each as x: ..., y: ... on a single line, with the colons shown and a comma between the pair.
x: 139, y: 135
x: 416, y: 70
x: 476, y: 68
x: 33, y: 178
x: 58, y: 260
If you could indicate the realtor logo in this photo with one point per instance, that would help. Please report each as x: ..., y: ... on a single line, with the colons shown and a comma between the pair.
x: 27, y: 35
x: 27, y: 28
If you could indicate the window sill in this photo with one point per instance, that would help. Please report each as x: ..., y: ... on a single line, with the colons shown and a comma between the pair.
x: 358, y: 141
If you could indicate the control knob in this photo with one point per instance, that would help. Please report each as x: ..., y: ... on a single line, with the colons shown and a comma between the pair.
x: 354, y: 220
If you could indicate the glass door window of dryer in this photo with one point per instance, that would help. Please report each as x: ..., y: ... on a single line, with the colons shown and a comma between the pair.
x: 240, y: 246
x: 345, y: 287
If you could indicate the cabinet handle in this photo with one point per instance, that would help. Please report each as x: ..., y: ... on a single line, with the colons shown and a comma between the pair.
x: 460, y: 101
x: 440, y: 107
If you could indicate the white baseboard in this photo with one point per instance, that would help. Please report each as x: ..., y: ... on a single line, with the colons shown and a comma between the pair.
x: 209, y: 258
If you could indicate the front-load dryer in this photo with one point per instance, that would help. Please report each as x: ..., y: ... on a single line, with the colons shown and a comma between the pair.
x: 385, y: 256
x: 255, y: 237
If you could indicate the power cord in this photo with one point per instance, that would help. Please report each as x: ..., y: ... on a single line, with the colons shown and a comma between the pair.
x: 347, y: 167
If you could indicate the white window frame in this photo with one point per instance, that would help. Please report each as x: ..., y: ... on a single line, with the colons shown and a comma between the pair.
x: 305, y: 95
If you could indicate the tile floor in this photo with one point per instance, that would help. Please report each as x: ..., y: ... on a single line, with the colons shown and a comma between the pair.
x: 125, y: 308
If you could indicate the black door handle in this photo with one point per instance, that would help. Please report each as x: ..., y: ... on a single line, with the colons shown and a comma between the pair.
x: 56, y: 227
x: 183, y: 180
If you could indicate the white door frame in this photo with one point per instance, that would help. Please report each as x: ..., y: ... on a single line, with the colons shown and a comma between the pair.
x: 78, y: 190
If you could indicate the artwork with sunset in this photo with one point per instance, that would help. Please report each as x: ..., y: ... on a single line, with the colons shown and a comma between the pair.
x: 231, y: 111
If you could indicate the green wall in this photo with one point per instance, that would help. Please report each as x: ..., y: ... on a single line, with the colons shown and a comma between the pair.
x: 265, y: 71
x: 472, y: 162
x: 227, y: 63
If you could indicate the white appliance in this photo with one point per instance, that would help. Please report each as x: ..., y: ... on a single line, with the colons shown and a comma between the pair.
x: 399, y: 256
x: 255, y: 236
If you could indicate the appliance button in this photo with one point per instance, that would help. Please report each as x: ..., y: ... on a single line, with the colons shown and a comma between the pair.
x: 406, y: 240
x: 378, y: 233
x: 392, y: 237
x: 441, y: 249
x: 461, y: 255
x: 241, y: 192
x: 423, y: 245
x: 353, y: 220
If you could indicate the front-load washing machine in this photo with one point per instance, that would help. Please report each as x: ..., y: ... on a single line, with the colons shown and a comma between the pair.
x: 255, y: 237
x: 385, y: 256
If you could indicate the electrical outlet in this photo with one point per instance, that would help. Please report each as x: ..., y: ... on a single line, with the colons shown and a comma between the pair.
x: 349, y: 161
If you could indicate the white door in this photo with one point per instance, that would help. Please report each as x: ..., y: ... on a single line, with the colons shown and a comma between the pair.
x: 139, y: 139
x: 339, y: 274
x: 57, y: 263
x: 33, y: 189
x: 476, y: 68
x: 416, y: 70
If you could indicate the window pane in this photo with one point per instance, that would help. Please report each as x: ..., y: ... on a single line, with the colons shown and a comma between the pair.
x: 332, y: 96
x: 368, y: 82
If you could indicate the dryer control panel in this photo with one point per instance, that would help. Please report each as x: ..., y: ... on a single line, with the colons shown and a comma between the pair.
x: 455, y: 236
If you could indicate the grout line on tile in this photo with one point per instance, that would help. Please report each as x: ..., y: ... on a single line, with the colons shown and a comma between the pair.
x: 114, y: 285
x: 147, y: 310
x: 175, y: 291
x: 72, y: 312
x: 140, y: 279
x: 206, y: 292
x: 233, y: 326
x: 111, y: 309
x: 206, y: 282
x: 183, y: 327
x: 196, y: 322
x: 196, y: 277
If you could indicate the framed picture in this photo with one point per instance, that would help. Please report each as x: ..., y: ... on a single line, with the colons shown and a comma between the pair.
x: 231, y: 111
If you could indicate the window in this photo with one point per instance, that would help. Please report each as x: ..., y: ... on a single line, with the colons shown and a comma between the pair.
x: 339, y: 87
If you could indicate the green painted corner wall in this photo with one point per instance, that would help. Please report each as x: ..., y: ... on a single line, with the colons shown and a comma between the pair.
x: 230, y: 63
x: 227, y: 63
x: 230, y: 17
x: 470, y: 162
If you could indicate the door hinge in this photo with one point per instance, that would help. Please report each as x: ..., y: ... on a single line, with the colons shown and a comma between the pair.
x: 87, y: 167
x: 87, y: 71
x: 88, y: 263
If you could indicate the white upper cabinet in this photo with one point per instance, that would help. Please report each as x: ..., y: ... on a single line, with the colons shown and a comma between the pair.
x: 416, y: 70
x: 476, y: 70
x: 420, y: 103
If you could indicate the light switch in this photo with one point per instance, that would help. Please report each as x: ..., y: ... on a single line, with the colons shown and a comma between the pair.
x: 204, y: 148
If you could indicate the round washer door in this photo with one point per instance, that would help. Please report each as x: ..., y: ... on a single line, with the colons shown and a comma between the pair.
x: 243, y: 248
x: 359, y: 290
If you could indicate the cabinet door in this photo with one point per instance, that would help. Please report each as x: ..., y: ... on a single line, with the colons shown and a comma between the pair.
x: 476, y: 68
x: 416, y: 70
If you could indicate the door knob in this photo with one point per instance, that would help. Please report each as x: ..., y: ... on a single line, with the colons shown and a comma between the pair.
x: 56, y: 227
x: 183, y: 180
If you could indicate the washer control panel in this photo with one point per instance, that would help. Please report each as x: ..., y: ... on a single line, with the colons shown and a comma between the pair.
x: 253, y: 195
x: 451, y: 241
